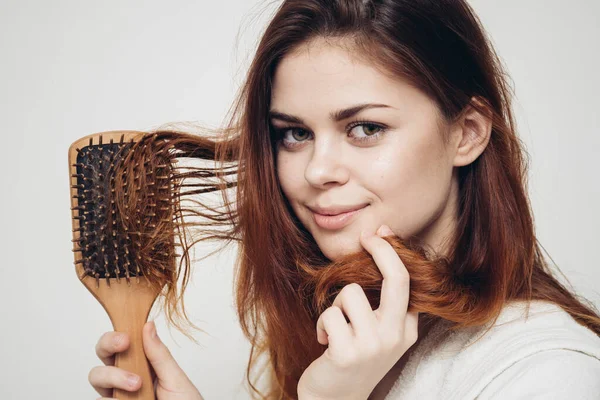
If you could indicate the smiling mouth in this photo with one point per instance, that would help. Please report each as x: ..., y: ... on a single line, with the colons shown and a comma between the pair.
x: 335, y: 222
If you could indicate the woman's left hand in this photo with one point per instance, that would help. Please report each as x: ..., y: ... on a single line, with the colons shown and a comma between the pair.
x: 360, y: 353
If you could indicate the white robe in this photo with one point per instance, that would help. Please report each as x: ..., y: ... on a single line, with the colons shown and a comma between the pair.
x: 545, y: 356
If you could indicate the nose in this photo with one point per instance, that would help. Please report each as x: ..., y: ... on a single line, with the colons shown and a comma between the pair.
x: 326, y: 166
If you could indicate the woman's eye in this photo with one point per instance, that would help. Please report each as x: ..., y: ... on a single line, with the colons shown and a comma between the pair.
x: 367, y: 129
x: 297, y: 135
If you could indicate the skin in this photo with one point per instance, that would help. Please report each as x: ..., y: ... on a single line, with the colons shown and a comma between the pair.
x: 409, y: 179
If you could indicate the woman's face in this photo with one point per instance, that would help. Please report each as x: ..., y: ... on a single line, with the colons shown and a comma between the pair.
x: 395, y: 162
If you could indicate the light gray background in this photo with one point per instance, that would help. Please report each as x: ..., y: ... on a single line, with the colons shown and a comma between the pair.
x: 70, y: 68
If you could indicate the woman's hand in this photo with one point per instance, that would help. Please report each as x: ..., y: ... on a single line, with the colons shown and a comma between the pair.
x: 360, y: 353
x: 170, y: 382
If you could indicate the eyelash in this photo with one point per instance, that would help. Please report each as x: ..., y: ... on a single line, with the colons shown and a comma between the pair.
x: 376, y: 136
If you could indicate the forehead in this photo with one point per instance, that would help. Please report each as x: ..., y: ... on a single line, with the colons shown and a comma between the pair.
x: 329, y: 75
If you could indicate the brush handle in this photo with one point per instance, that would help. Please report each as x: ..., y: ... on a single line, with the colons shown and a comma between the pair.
x: 134, y: 358
x: 128, y: 307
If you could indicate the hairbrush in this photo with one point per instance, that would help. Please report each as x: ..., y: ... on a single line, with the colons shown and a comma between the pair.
x: 123, y: 233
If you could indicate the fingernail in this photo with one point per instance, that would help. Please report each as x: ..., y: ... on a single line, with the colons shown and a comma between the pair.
x: 384, y: 230
x: 133, y: 380
x: 118, y: 339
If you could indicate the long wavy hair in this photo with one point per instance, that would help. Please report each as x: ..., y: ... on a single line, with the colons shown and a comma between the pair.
x: 282, y: 279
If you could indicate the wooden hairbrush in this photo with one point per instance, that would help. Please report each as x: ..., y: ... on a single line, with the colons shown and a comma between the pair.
x: 123, y: 233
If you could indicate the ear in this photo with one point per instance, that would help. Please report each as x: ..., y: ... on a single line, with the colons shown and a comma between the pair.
x: 471, y: 132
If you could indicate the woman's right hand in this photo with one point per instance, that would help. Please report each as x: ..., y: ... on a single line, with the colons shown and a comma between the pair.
x: 170, y: 383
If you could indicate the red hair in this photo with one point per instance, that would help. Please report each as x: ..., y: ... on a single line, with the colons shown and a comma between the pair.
x: 283, y: 281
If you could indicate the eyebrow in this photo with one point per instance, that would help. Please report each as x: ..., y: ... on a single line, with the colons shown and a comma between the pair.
x: 335, y: 116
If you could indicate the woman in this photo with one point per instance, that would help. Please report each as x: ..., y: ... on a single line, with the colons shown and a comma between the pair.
x: 377, y: 154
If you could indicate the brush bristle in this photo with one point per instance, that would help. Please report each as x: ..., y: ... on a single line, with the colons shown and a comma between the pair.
x: 121, y: 206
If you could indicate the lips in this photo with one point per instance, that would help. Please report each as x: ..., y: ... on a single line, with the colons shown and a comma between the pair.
x: 339, y: 218
x: 330, y: 211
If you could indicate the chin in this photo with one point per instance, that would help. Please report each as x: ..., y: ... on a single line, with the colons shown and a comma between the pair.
x: 334, y: 248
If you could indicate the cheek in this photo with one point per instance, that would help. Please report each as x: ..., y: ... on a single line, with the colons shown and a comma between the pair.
x: 411, y: 180
x: 290, y: 175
